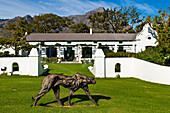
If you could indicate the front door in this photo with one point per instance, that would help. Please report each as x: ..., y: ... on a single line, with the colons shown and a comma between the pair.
x: 69, y: 54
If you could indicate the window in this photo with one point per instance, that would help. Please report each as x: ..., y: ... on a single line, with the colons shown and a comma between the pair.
x: 121, y: 49
x: 87, y: 52
x: 95, y: 42
x: 118, y: 67
x: 15, y: 67
x: 149, y: 38
x: 120, y: 42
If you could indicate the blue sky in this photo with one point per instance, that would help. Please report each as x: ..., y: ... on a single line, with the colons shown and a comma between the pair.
x: 12, y: 8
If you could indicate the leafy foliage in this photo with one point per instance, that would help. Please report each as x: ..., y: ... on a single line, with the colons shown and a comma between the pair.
x: 116, y: 19
x: 6, y: 54
x: 18, y: 40
x: 119, y: 54
x: 139, y: 27
x: 154, y: 56
x: 162, y: 25
x: 80, y: 28
x: 45, y: 23
x: 150, y: 55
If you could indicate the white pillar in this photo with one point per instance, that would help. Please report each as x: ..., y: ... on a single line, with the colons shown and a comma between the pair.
x: 35, y: 67
x: 79, y: 53
x: 58, y: 51
x: 115, y: 49
x: 99, y: 64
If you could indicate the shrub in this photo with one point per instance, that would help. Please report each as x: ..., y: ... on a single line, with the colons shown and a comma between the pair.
x: 150, y: 55
x: 119, y: 54
x: 117, y: 76
x: 87, y: 61
x: 49, y: 60
x: 6, y: 54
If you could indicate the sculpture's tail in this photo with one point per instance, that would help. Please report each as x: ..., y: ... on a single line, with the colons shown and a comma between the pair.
x: 32, y: 99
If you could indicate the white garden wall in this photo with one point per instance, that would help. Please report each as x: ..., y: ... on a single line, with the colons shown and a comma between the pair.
x: 131, y: 67
x: 27, y: 65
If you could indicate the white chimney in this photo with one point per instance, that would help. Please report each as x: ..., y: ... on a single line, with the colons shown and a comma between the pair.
x: 91, y: 31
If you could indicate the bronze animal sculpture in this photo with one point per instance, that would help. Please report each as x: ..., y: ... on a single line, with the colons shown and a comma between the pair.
x: 71, y: 82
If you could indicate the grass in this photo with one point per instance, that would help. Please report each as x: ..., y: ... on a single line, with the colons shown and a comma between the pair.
x: 124, y: 95
x: 70, y: 69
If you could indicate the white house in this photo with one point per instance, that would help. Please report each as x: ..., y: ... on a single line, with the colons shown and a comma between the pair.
x: 77, y: 46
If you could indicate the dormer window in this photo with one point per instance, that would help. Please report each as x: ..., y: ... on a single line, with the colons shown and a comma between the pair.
x: 95, y: 42
x: 120, y: 42
x: 149, y: 38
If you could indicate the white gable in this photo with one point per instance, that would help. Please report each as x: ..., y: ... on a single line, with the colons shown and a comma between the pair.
x: 147, y: 37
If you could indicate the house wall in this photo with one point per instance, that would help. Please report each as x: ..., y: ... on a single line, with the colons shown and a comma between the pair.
x: 131, y: 67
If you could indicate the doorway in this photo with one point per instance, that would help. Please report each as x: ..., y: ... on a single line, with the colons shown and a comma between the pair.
x: 69, y: 54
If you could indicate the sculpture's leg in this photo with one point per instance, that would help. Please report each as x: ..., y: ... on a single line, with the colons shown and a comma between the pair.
x: 40, y: 94
x: 46, y: 86
x: 69, y: 97
x: 88, y: 94
x: 56, y: 90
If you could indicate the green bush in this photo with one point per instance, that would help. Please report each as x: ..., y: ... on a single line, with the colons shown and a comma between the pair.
x: 167, y: 61
x: 119, y: 54
x: 49, y: 60
x: 150, y: 55
x: 87, y: 61
x: 6, y: 54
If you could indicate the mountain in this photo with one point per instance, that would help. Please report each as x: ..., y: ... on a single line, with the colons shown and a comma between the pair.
x: 83, y: 18
x: 5, y: 33
x: 4, y: 22
x: 76, y: 18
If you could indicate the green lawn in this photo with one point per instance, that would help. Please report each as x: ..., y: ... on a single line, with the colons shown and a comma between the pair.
x: 70, y: 69
x: 125, y: 95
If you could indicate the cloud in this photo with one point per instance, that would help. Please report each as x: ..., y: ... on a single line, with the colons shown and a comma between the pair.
x: 144, y: 7
x: 75, y: 7
x: 13, y: 8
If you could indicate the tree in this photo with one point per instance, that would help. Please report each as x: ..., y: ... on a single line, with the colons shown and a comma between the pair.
x: 139, y: 27
x: 116, y: 19
x: 18, y: 40
x: 80, y: 28
x: 45, y: 23
x: 161, y: 23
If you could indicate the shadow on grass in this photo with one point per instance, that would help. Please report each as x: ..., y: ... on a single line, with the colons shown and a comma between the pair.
x: 81, y: 97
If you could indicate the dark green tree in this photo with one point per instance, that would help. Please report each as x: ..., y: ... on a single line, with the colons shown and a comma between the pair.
x: 115, y: 19
x: 161, y: 23
x: 139, y: 27
x: 45, y: 23
x: 18, y: 40
x: 80, y: 28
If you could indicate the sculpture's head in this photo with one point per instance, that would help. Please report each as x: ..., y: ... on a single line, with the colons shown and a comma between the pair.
x: 85, y: 80
x: 91, y: 80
